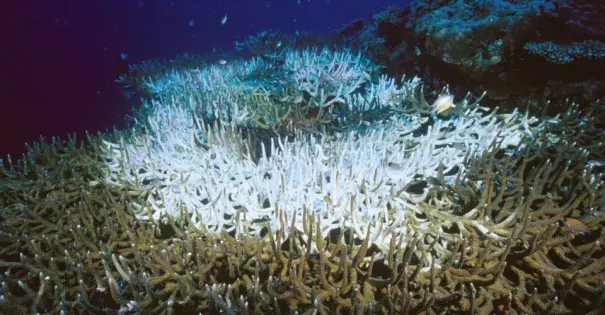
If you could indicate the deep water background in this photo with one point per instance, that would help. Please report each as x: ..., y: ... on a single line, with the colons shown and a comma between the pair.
x: 60, y: 58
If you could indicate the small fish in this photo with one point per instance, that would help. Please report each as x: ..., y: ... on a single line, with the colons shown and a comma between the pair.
x: 575, y: 225
x: 222, y: 62
x: 191, y: 23
x: 123, y: 56
x: 224, y: 19
x: 443, y: 103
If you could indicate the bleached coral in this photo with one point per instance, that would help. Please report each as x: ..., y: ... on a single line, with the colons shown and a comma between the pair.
x: 265, y: 91
x: 352, y: 180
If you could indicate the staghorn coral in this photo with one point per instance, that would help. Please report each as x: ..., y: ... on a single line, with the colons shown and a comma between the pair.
x: 128, y: 223
x: 137, y: 74
x: 71, y: 244
x: 221, y: 186
x: 304, y: 89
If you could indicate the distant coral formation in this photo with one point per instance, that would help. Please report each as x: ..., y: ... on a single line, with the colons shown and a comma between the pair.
x: 518, y: 51
x: 563, y: 54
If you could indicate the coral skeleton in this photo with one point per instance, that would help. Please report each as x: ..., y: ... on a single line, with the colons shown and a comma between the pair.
x: 351, y: 180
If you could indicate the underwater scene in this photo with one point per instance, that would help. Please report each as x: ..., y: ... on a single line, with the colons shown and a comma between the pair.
x: 304, y: 157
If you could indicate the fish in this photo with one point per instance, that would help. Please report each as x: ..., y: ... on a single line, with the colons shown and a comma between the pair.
x: 222, y: 62
x: 224, y: 19
x: 575, y: 225
x: 191, y: 23
x: 443, y: 103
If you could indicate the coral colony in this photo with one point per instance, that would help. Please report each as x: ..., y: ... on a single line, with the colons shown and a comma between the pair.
x: 308, y: 182
x: 312, y: 184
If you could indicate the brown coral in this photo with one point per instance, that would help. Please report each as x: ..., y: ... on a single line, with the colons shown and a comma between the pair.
x: 70, y: 244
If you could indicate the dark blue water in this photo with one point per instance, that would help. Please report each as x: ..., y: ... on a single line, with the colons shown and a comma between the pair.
x: 60, y: 58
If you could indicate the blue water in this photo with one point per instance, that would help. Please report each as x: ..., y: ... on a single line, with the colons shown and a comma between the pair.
x: 60, y: 58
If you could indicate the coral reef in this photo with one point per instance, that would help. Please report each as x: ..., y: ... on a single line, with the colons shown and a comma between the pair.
x: 71, y: 244
x: 303, y: 88
x: 517, y: 51
x: 399, y: 210
x: 182, y: 162
x: 563, y: 54
x: 269, y: 44
x: 136, y: 73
